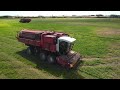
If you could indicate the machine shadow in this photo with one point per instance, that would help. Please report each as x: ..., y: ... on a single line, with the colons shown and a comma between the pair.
x: 53, y: 69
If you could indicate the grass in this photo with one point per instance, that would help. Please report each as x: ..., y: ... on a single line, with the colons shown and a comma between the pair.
x: 98, y: 41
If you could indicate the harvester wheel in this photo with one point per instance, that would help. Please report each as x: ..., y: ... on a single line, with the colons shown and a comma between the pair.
x: 29, y: 51
x: 51, y: 59
x: 35, y: 51
x: 42, y: 56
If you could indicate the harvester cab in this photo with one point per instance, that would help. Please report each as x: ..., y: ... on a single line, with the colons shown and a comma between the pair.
x: 67, y: 57
x: 65, y: 44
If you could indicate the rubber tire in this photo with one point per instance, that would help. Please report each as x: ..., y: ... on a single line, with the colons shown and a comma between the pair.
x: 42, y: 56
x: 29, y: 51
x: 51, y: 59
x: 35, y: 51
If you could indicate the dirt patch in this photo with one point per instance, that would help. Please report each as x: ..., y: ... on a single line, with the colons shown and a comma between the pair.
x: 108, y: 32
x: 115, y: 45
x: 114, y: 49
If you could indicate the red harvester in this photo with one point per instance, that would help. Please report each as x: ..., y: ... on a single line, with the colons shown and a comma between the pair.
x: 55, y: 47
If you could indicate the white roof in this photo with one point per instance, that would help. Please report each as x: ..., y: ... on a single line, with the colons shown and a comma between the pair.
x: 66, y: 38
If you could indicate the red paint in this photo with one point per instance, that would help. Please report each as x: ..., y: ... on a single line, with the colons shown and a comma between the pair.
x: 45, y: 40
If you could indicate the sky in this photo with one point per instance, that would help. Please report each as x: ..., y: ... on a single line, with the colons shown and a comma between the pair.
x: 56, y: 13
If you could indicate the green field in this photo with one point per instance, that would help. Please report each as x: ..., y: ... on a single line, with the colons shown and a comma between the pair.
x: 98, y: 41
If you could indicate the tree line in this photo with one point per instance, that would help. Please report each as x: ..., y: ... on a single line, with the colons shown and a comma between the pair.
x: 73, y: 16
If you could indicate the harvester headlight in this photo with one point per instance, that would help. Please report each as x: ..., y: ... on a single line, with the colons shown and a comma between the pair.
x: 71, y: 65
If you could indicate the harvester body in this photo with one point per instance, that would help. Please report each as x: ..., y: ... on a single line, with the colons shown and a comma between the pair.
x: 55, y: 47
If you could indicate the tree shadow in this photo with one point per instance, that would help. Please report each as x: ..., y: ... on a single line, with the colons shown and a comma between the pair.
x: 54, y: 69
